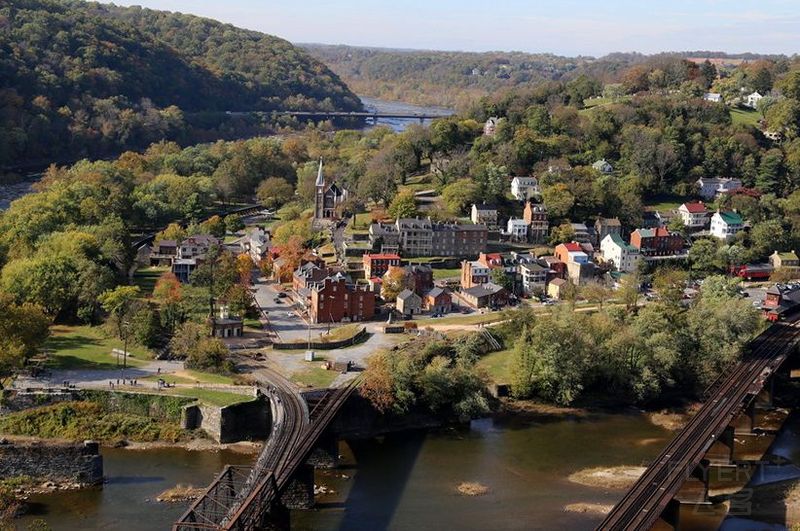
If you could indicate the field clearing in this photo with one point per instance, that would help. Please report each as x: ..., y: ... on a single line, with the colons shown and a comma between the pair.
x: 87, y: 347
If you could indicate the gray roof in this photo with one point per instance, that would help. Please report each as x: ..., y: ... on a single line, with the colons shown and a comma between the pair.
x: 435, y: 292
x: 406, y: 294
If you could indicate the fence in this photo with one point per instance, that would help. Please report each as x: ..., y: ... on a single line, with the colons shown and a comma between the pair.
x: 331, y: 345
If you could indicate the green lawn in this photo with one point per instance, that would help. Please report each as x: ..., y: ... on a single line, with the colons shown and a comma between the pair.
x: 446, y: 273
x: 86, y: 347
x: 360, y: 223
x: 209, y: 396
x: 665, y: 202
x: 315, y: 377
x: 745, y: 116
x: 189, y: 376
x: 470, y: 319
x: 147, y: 277
x: 498, y: 365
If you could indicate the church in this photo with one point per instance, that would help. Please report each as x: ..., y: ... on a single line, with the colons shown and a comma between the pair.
x: 328, y: 197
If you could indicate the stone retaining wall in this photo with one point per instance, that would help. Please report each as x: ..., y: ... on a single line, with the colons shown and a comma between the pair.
x: 246, y: 421
x: 361, y: 334
x: 57, y: 462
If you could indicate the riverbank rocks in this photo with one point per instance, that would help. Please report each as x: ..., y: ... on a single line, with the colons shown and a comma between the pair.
x: 619, y: 477
x: 472, y: 488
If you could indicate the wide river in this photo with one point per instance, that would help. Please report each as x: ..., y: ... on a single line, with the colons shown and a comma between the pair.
x: 405, y: 481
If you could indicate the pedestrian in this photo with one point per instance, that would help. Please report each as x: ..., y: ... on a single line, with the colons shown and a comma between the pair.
x: 158, y: 371
x: 117, y: 381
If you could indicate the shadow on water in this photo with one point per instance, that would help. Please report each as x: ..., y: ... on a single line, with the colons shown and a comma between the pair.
x: 379, y: 483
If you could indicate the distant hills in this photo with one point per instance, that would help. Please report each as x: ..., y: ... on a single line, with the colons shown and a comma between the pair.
x: 80, y: 78
x: 454, y: 79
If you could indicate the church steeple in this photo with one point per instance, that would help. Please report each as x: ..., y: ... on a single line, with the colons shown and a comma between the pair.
x: 320, y: 178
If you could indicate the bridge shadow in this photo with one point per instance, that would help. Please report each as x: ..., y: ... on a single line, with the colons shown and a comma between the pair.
x: 378, y: 484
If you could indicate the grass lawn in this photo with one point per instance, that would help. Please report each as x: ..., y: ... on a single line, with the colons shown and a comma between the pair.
x: 459, y: 319
x: 665, y: 202
x: 446, y: 273
x: 209, y: 396
x: 315, y: 377
x: 189, y: 376
x: 745, y: 116
x: 359, y: 223
x: 498, y: 365
x: 147, y: 277
x: 86, y: 347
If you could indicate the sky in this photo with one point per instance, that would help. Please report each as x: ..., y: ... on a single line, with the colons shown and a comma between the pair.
x: 563, y: 27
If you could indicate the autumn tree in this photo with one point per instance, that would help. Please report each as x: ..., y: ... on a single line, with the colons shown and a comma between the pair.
x: 404, y: 205
x: 274, y: 192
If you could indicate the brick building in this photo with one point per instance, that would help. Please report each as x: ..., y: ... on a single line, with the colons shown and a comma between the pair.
x: 657, y: 242
x: 335, y: 299
x: 535, y: 215
x: 376, y: 265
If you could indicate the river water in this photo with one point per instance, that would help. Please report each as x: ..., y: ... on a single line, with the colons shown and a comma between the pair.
x: 399, y: 124
x: 406, y: 481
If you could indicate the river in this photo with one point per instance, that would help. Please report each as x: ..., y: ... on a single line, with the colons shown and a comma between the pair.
x: 399, y: 124
x: 406, y: 481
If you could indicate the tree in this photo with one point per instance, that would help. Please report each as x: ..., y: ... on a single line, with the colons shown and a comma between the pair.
x: 629, y: 291
x: 234, y: 223
x: 458, y: 196
x: 670, y: 283
x: 23, y: 330
x: 168, y: 292
x: 119, y: 302
x: 704, y: 255
x: 274, y: 192
x: 404, y: 205
x: 210, y: 354
x: 145, y: 326
x: 596, y: 293
x: 500, y: 278
x: 394, y: 281
x: 214, y: 226
x: 173, y: 232
x: 563, y: 233
x: 558, y: 199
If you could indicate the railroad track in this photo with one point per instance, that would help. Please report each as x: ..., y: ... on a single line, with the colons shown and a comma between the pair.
x: 647, y: 499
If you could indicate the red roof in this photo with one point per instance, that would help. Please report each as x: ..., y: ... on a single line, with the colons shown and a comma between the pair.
x: 695, y: 207
x: 572, y: 246
x: 387, y: 256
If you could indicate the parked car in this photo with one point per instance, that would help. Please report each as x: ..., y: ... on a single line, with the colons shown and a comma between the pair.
x: 282, y: 295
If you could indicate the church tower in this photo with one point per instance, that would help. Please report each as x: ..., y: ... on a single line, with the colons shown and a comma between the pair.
x: 319, y: 197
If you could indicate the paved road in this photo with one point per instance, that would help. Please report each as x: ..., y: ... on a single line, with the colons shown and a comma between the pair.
x: 100, y: 378
x: 284, y: 316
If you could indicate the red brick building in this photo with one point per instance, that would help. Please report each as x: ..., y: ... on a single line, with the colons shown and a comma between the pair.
x: 562, y: 250
x: 657, y: 241
x: 335, y: 299
x: 376, y: 265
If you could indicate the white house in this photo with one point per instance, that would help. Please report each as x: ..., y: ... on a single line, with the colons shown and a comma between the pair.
x: 712, y: 187
x: 484, y: 214
x: 257, y: 244
x: 517, y: 229
x: 713, y: 97
x: 725, y: 225
x: 490, y: 127
x: 603, y: 166
x: 751, y: 100
x: 623, y: 256
x: 534, y: 277
x: 523, y: 188
x: 694, y: 214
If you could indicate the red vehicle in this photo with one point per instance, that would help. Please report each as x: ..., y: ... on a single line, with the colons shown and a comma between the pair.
x: 752, y: 271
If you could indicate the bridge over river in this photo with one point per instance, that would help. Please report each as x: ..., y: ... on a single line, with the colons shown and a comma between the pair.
x: 243, y: 498
x: 708, y: 438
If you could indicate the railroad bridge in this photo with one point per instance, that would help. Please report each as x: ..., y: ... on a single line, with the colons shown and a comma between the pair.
x: 259, y: 497
x: 737, y: 407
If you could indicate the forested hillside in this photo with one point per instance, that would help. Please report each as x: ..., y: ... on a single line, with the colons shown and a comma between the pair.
x: 454, y: 79
x: 80, y: 79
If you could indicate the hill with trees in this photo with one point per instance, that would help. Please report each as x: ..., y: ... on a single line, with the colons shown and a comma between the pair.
x: 85, y: 79
x: 453, y: 79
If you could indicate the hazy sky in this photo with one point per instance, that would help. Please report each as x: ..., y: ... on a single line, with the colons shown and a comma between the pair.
x: 566, y: 27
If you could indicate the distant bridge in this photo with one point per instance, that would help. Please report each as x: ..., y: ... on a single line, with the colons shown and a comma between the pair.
x: 374, y: 115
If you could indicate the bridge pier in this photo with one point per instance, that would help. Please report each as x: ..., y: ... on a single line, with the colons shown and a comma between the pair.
x: 299, y: 493
x: 326, y: 453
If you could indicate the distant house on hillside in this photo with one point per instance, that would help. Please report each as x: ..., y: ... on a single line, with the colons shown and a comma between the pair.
x: 694, y: 214
x: 709, y: 188
x: 484, y: 214
x: 490, y: 127
x: 751, y: 100
x: 725, y: 225
x: 523, y: 188
x: 713, y: 97
x: 603, y: 166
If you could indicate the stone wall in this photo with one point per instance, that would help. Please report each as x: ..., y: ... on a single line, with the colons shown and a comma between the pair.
x: 240, y: 422
x: 331, y: 345
x: 12, y: 401
x: 60, y: 463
